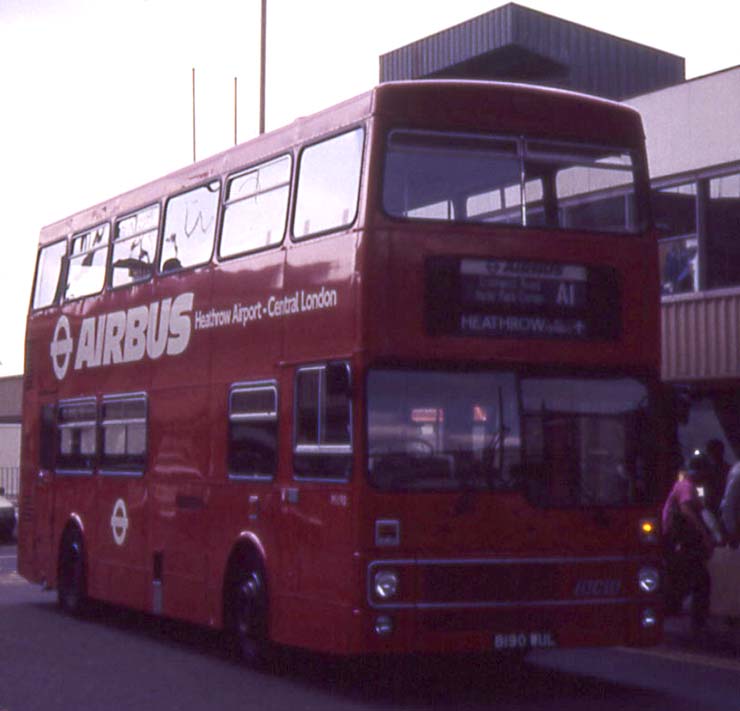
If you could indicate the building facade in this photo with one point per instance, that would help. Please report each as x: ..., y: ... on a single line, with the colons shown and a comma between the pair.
x: 11, y: 391
x: 694, y: 152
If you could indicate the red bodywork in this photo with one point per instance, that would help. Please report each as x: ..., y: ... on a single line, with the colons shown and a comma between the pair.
x: 472, y: 575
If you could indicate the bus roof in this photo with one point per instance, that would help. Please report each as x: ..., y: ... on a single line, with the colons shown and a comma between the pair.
x: 504, y: 107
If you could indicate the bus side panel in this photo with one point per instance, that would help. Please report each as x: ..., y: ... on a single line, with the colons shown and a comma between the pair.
x: 179, y: 498
x: 321, y: 279
x: 247, y: 336
x: 35, y: 551
x: 180, y: 453
x: 315, y: 528
x: 121, y: 570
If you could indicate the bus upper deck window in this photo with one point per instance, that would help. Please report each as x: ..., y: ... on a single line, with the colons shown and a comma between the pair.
x: 87, y: 262
x: 328, y: 184
x: 511, y: 181
x: 256, y: 208
x: 189, y: 228
x: 48, y: 274
x: 134, y: 247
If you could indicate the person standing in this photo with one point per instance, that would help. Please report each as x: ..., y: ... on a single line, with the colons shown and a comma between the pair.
x: 729, y: 508
x: 688, y: 544
x: 717, y: 475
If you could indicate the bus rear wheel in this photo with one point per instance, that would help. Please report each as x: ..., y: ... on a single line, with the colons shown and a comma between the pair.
x: 249, y: 614
x: 71, y: 583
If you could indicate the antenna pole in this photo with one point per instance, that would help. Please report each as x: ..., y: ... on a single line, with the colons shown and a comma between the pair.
x: 193, y: 114
x: 235, y: 105
x: 263, y: 53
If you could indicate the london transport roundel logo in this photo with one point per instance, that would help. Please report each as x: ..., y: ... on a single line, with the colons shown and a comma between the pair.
x: 119, y: 522
x: 61, y: 347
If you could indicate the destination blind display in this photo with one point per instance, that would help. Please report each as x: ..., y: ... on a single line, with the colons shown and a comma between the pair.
x: 521, y: 299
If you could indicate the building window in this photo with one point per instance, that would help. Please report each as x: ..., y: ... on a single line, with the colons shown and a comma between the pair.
x: 189, y: 228
x: 723, y: 232
x: 77, y: 446
x: 256, y: 208
x: 328, y: 184
x: 323, y: 422
x: 124, y: 430
x: 675, y: 210
x: 87, y: 263
x: 253, y: 424
x: 48, y: 274
x: 134, y: 247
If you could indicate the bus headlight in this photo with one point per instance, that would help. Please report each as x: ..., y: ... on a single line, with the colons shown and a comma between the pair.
x: 648, y: 579
x: 385, y: 584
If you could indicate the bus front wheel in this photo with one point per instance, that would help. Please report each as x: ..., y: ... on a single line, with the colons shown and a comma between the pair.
x: 71, y: 582
x: 249, y: 613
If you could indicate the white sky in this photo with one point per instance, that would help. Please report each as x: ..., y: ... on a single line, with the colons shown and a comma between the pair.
x: 95, y: 95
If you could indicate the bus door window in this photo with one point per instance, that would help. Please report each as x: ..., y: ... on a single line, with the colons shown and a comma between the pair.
x: 87, y: 263
x: 189, y: 228
x: 323, y: 423
x: 256, y: 208
x: 124, y: 434
x: 77, y: 443
x: 134, y: 247
x: 328, y: 184
x: 49, y: 274
x: 253, y: 427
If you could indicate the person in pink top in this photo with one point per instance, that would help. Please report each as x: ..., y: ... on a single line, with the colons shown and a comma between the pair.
x: 688, y: 544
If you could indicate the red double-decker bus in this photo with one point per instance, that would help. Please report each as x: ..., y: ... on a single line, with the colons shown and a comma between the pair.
x: 379, y: 381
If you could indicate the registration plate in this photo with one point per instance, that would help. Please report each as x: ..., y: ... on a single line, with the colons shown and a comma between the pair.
x: 523, y: 640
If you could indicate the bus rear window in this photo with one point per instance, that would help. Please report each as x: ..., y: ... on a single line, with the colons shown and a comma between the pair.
x: 512, y: 181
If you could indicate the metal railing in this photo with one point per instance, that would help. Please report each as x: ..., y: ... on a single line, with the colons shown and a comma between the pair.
x: 10, y: 481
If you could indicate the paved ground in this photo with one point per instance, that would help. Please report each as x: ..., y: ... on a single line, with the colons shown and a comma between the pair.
x: 721, y: 638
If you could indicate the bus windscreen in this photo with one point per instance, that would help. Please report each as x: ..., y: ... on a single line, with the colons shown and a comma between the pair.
x: 513, y: 181
x: 563, y: 441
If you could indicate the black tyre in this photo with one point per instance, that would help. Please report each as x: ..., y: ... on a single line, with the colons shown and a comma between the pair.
x: 248, y: 613
x: 72, y: 581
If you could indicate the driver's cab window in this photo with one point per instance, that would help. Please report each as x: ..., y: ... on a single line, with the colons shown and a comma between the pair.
x: 323, y: 422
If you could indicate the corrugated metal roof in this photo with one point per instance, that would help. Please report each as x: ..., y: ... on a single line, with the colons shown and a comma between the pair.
x: 515, y: 43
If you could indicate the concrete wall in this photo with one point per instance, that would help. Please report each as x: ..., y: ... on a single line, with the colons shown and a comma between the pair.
x: 693, y: 125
